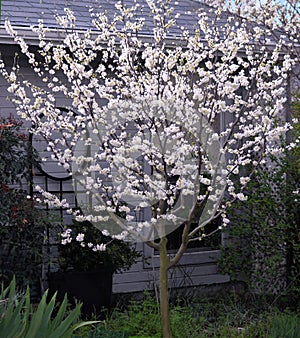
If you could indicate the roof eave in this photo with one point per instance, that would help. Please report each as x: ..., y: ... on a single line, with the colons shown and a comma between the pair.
x: 56, y: 36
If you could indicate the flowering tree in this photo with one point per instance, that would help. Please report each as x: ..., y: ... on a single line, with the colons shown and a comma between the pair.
x: 153, y: 127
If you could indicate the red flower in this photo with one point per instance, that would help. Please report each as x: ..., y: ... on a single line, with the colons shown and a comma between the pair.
x: 5, y: 187
x: 3, y: 126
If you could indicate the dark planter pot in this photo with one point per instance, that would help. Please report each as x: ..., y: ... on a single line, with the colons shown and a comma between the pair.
x: 93, y: 289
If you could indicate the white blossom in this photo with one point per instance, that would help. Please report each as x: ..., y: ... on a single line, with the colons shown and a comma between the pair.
x: 80, y: 237
x: 154, y: 126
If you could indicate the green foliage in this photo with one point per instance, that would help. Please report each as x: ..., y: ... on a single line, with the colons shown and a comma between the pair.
x: 22, y: 223
x: 265, y: 229
x: 117, y: 256
x: 185, y: 322
x: 22, y: 228
x: 252, y: 234
x: 141, y: 318
x: 227, y: 316
x: 19, y: 319
x: 16, y: 153
x: 285, y: 325
x: 293, y: 170
x: 101, y: 332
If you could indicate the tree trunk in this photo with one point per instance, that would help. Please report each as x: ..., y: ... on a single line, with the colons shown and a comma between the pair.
x: 164, y: 290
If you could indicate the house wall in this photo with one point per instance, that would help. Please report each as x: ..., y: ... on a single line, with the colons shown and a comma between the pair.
x: 196, y: 267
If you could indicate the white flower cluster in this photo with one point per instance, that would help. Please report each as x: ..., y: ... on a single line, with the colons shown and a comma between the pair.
x: 52, y: 200
x: 66, y: 237
x: 160, y: 128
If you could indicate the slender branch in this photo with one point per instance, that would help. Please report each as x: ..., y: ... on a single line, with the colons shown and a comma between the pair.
x: 183, y: 246
x: 153, y: 245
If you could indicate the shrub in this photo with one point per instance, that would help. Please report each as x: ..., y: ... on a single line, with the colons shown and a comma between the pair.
x: 229, y: 316
x: 77, y: 255
x: 22, y: 223
x: 18, y: 318
x: 264, y: 241
x: 284, y: 325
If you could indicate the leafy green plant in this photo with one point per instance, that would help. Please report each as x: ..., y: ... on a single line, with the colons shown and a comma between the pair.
x: 285, y: 325
x: 265, y: 231
x: 266, y: 228
x: 22, y: 222
x: 101, y: 332
x: 185, y: 322
x: 17, y: 156
x: 230, y: 315
x: 18, y: 318
x: 142, y: 318
x: 80, y: 257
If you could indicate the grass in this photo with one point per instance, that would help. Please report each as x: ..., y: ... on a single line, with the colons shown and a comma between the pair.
x: 230, y: 316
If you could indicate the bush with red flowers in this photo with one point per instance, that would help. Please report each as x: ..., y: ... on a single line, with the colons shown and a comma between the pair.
x: 22, y: 222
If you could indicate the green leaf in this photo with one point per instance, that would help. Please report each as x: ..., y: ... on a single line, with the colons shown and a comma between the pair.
x: 37, y: 318
x: 60, y: 314
x: 63, y: 330
x: 26, y: 312
x: 11, y: 324
x: 46, y: 320
x: 77, y: 326
x: 18, y: 321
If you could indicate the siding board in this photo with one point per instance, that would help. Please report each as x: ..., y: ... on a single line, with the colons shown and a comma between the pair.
x: 195, y: 257
x: 185, y: 277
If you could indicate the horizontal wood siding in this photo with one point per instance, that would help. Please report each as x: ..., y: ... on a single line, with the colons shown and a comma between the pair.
x: 195, y: 269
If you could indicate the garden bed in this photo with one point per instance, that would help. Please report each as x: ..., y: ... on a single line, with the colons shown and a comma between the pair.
x: 231, y: 315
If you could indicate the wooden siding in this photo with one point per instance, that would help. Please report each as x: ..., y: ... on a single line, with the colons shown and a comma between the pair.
x: 195, y: 269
